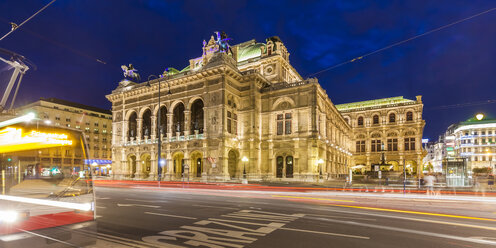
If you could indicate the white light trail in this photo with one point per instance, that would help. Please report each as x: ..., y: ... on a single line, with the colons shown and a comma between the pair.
x: 77, y: 206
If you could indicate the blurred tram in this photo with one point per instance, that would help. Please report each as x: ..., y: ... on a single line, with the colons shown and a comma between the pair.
x: 47, y: 195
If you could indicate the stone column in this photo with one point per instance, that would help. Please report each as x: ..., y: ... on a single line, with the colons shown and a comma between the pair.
x: 124, y: 135
x: 187, y: 122
x: 139, y: 168
x: 169, y: 125
x: 153, y: 166
x: 138, y: 131
x: 154, y: 128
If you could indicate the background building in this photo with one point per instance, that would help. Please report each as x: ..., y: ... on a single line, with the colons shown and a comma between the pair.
x: 245, y: 111
x: 95, y: 122
x: 475, y: 140
x: 394, y: 124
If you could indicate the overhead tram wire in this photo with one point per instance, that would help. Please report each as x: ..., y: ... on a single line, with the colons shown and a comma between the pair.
x: 31, y: 17
x: 462, y: 105
x: 401, y: 42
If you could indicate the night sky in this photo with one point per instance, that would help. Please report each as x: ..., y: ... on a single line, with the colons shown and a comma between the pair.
x: 453, y: 66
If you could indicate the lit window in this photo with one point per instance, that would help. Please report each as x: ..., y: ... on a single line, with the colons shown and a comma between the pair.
x: 409, y: 116
x: 360, y: 146
x: 375, y: 119
x: 284, y: 123
x: 409, y: 144
x: 360, y: 121
x: 375, y: 146
x: 392, y: 118
x: 392, y: 145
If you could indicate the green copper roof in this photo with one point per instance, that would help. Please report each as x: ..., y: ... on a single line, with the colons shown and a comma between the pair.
x: 249, y: 52
x: 185, y: 69
x: 373, y: 103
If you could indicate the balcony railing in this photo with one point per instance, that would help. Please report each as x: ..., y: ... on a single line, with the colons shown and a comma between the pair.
x: 177, y: 138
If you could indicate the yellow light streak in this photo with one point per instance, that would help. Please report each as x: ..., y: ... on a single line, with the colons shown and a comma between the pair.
x: 310, y: 198
x: 13, y: 139
x: 413, y: 212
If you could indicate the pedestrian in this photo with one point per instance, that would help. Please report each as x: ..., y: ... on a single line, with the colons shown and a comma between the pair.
x: 429, y: 183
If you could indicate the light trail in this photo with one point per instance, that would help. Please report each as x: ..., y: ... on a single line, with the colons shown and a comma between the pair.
x: 413, y: 212
x: 70, y: 205
x: 310, y: 198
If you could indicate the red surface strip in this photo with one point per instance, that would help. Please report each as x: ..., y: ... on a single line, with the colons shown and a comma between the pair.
x: 46, y: 221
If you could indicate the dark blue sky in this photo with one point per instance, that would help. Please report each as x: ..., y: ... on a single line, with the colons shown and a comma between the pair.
x: 452, y: 66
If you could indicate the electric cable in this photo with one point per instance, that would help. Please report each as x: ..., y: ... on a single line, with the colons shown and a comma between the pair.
x: 401, y: 42
x: 15, y: 26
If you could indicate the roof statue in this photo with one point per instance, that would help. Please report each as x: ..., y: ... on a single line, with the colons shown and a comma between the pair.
x: 222, y: 41
x: 130, y: 73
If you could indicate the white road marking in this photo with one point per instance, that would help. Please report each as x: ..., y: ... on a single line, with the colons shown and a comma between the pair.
x: 170, y: 215
x: 121, y: 239
x: 102, y: 198
x: 100, y: 207
x: 399, y: 229
x: 342, y: 217
x: 415, y: 219
x: 207, y: 206
x: 136, y: 205
x: 325, y: 233
x: 151, y: 201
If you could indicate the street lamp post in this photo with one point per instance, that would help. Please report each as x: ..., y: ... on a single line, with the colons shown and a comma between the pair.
x: 319, y: 163
x: 159, y: 140
x: 244, y: 160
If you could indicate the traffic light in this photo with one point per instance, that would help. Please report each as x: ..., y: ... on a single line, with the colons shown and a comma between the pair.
x: 9, y: 159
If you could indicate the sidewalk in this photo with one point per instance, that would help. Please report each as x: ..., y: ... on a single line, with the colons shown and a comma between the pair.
x: 295, y: 187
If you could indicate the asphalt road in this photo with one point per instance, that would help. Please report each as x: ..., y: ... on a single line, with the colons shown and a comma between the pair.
x: 151, y: 217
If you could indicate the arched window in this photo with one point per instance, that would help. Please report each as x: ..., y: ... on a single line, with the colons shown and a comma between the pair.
x: 409, y: 116
x: 132, y: 125
x: 163, y: 121
x: 279, y: 166
x: 375, y: 119
x: 392, y: 118
x: 178, y: 118
x: 360, y: 121
x: 147, y: 124
x: 197, y: 116
x: 347, y: 120
x: 289, y: 167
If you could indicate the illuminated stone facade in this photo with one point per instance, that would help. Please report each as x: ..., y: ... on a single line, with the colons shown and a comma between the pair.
x: 391, y: 124
x: 222, y: 110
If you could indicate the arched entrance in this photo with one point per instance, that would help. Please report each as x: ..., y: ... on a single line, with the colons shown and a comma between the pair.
x: 196, y: 164
x: 131, y: 164
x: 162, y: 169
x: 411, y: 167
x: 232, y: 163
x: 197, y: 116
x: 146, y: 164
x: 178, y: 164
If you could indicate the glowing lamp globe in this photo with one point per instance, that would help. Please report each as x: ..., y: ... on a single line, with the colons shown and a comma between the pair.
x: 479, y: 117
